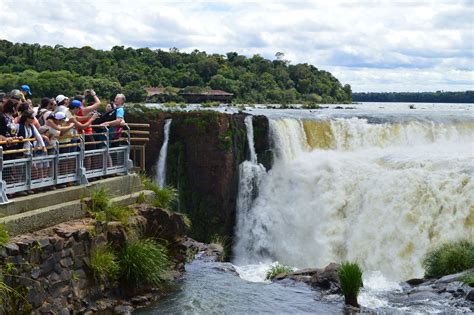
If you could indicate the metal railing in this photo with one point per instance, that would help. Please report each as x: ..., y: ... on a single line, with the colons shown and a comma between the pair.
x: 23, y: 170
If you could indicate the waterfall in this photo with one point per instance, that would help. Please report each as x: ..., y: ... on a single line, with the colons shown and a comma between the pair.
x: 346, y: 189
x: 251, y: 174
x: 161, y: 165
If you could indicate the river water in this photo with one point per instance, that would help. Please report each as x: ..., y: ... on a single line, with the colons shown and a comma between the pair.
x: 379, y: 183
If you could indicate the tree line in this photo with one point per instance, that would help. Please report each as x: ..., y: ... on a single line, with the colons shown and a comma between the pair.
x: 60, y: 70
x: 416, y: 97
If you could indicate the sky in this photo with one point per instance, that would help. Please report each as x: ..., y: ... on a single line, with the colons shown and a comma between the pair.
x: 373, y: 45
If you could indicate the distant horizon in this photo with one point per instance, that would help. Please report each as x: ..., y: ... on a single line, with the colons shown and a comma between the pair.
x: 373, y: 45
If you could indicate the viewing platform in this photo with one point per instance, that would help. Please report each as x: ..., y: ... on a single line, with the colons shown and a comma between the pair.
x: 42, y: 190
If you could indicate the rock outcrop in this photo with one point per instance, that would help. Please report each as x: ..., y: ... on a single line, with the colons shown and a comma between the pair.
x: 205, y: 149
x: 50, y: 268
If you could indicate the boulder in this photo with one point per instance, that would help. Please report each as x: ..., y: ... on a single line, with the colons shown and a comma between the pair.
x: 327, y: 278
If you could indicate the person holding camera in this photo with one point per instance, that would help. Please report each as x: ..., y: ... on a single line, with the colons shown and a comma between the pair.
x: 86, y: 115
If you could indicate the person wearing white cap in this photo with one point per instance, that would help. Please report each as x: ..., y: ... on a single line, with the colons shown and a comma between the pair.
x: 62, y: 103
x: 57, y: 124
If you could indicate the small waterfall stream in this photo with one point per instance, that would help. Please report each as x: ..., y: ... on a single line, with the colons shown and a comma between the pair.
x: 161, y: 164
x: 251, y: 176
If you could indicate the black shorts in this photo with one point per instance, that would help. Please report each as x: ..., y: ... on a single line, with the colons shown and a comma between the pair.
x: 90, y: 146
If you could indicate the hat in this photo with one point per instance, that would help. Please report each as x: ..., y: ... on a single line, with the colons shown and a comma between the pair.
x: 58, y: 116
x: 15, y: 94
x: 43, y: 129
x: 61, y: 98
x: 26, y: 88
x: 75, y: 103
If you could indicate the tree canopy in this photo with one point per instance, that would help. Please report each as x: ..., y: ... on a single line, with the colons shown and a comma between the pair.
x: 59, y: 70
x: 416, y: 97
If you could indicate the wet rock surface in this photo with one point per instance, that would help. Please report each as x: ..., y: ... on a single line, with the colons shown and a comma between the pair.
x: 448, y: 293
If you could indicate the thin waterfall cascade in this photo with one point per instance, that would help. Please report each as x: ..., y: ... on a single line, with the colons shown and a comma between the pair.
x: 161, y: 164
x: 251, y: 174
x: 346, y: 189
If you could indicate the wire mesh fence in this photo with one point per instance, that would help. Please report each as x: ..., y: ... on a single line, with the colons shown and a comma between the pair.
x: 74, y: 162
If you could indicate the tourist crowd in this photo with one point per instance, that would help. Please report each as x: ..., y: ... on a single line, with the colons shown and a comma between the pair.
x: 57, y: 122
x: 59, y: 119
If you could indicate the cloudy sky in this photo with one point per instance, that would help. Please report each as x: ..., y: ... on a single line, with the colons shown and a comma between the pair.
x: 374, y: 45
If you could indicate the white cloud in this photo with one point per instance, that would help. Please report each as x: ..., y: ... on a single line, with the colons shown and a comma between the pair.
x: 371, y: 44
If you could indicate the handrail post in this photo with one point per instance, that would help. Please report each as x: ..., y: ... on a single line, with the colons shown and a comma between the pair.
x: 81, y: 170
x: 56, y: 161
x: 29, y: 166
x: 106, y: 152
x: 128, y: 161
x: 3, y: 184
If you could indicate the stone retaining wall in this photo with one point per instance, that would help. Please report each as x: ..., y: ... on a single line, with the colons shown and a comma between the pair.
x: 50, y: 268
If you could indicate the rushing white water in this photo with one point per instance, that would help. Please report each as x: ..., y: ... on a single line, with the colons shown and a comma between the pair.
x: 251, y: 174
x: 161, y: 165
x: 346, y: 189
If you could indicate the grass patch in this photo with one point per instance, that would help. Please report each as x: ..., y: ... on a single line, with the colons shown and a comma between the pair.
x: 186, y: 220
x: 4, y: 235
x: 165, y: 198
x: 100, y: 200
x: 141, y: 198
x: 101, y: 209
x: 449, y: 258
x: 277, y: 269
x: 469, y: 279
x: 118, y: 213
x: 144, y: 261
x: 350, y: 276
x: 104, y: 264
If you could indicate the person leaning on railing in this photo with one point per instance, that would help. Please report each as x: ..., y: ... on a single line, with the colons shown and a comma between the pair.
x: 57, y: 123
x: 23, y: 108
x: 113, y: 118
x: 8, y: 128
x: 27, y: 130
x: 85, y: 115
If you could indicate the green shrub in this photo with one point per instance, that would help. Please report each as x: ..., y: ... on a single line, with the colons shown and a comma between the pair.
x: 277, y: 269
x: 4, y: 236
x: 104, y: 265
x: 469, y: 279
x: 144, y: 261
x: 449, y: 258
x: 350, y: 276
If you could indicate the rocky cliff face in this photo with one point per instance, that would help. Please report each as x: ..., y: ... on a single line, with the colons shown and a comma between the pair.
x: 204, y: 152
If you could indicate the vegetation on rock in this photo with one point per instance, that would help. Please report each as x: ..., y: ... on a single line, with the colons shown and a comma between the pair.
x: 276, y: 270
x: 101, y: 209
x: 350, y: 277
x: 104, y: 264
x: 449, y: 258
x: 4, y: 236
x: 144, y: 261
x: 469, y: 279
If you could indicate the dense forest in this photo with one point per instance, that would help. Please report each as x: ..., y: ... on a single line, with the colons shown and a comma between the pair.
x: 59, y: 70
x: 420, y: 97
